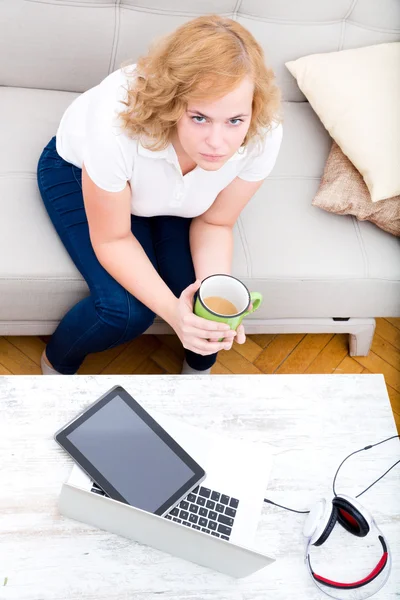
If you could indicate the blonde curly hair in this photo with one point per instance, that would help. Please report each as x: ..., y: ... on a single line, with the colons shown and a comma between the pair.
x: 203, y: 59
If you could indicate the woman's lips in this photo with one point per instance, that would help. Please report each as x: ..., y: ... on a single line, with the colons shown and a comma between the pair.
x: 212, y: 157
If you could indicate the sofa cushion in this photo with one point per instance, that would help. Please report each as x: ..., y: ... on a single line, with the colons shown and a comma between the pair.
x: 72, y: 45
x: 356, y: 94
x: 38, y: 280
x: 343, y: 192
x: 284, y: 247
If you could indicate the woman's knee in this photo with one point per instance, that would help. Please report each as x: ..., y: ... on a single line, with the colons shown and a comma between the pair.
x: 124, y: 315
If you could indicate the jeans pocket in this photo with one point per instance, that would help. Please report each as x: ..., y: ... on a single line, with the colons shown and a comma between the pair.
x: 53, y: 160
x: 50, y: 157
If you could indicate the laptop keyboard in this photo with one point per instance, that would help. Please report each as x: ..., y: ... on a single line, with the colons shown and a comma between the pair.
x: 203, y: 509
x: 208, y: 511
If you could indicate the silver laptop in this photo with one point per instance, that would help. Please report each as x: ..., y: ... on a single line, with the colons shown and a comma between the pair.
x: 214, y: 525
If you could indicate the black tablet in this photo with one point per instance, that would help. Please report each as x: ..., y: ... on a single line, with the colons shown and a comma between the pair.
x: 128, y: 454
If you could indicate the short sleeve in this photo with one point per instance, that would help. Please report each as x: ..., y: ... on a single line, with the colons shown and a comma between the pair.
x: 104, y: 162
x: 259, y: 165
x: 106, y: 154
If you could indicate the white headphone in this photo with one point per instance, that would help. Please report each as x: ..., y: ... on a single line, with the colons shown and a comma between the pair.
x: 356, y: 520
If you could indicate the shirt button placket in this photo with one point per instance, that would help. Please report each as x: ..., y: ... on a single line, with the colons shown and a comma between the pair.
x: 178, y: 194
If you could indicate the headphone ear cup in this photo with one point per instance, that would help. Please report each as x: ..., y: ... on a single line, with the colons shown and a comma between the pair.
x: 329, y: 526
x: 350, y: 517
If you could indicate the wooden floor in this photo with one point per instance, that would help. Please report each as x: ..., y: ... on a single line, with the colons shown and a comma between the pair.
x: 289, y: 353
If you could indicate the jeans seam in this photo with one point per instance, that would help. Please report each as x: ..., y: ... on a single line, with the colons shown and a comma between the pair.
x: 78, y: 182
x: 119, y: 341
x: 80, y: 338
x: 98, y: 322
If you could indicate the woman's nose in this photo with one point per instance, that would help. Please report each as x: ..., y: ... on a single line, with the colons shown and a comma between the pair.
x: 214, y: 139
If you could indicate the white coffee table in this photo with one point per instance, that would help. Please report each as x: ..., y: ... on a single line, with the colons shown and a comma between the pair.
x: 312, y: 421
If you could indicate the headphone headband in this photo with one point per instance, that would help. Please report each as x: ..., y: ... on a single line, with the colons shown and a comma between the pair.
x: 351, y: 586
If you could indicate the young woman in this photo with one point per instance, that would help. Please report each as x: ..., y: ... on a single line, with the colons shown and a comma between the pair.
x: 145, y: 180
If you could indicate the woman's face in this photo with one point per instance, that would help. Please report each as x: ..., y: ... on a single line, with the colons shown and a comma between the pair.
x: 209, y: 133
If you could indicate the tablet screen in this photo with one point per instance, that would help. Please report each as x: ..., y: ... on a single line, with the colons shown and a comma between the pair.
x: 129, y: 453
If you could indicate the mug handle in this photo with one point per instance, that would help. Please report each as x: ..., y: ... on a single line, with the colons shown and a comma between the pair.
x: 256, y: 299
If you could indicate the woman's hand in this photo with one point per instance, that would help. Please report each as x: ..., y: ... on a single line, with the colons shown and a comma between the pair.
x: 197, y: 334
x: 241, y: 336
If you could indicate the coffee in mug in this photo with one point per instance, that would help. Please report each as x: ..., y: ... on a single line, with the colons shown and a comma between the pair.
x: 225, y: 299
x: 220, y: 305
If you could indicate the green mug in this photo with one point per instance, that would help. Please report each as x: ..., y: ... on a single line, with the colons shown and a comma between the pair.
x: 229, y: 288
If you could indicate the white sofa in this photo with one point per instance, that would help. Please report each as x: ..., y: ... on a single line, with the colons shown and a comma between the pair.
x: 318, y: 272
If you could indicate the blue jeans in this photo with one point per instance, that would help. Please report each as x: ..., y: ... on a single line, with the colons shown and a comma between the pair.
x: 110, y: 315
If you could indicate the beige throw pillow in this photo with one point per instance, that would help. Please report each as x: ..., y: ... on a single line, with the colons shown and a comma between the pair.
x: 356, y: 94
x: 342, y: 191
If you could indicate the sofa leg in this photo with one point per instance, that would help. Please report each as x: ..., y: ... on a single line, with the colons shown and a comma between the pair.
x: 360, y: 340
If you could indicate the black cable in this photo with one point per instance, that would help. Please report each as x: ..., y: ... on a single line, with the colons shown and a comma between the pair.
x: 343, y: 461
x: 285, y: 507
x: 362, y: 449
x: 336, y: 474
x: 370, y: 486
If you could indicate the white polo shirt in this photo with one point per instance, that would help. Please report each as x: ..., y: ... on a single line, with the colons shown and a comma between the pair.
x: 90, y: 133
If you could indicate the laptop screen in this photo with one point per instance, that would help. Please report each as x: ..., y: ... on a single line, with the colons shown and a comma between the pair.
x: 132, y: 457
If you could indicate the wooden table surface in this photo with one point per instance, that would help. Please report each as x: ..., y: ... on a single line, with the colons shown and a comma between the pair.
x: 311, y: 421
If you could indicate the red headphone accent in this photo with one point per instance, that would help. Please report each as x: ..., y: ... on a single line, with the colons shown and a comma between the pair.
x: 349, y: 586
x: 349, y: 518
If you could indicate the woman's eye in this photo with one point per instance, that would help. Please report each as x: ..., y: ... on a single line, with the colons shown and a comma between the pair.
x: 235, y: 123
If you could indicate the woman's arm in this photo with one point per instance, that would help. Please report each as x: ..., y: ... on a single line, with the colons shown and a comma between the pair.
x: 211, y: 247
x: 119, y: 252
x: 211, y: 234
